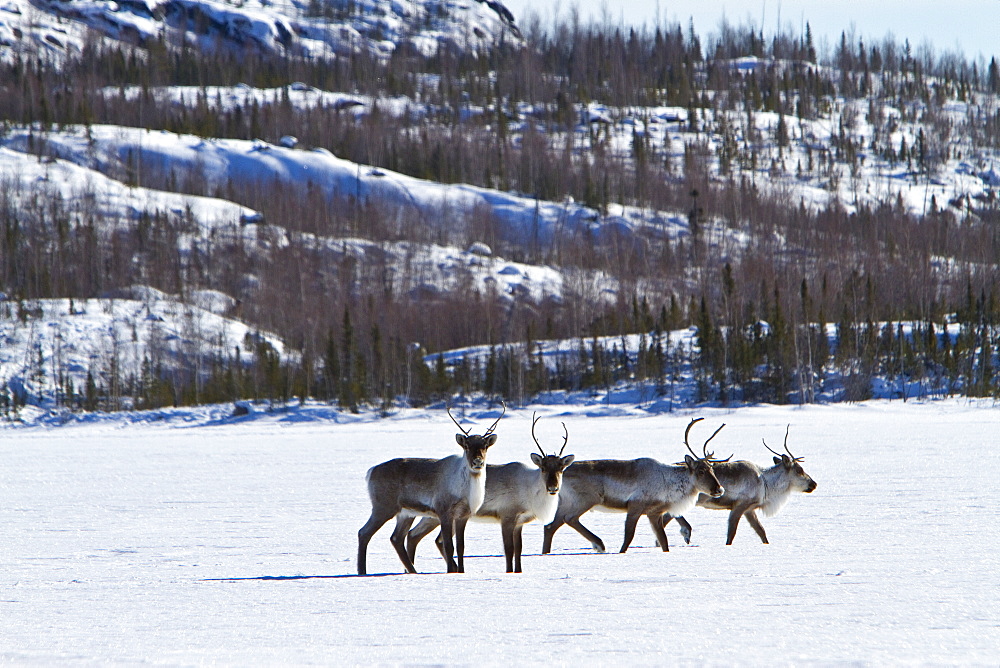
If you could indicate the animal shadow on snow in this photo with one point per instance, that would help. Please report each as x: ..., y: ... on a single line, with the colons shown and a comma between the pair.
x: 280, y: 578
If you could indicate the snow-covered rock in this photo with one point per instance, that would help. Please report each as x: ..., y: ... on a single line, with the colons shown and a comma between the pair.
x: 281, y: 26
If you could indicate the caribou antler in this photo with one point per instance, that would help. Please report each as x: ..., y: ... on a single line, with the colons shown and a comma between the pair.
x: 794, y: 458
x: 494, y: 425
x: 688, y: 431
x: 534, y: 421
x: 464, y: 431
x: 706, y: 455
x: 709, y: 456
x: 488, y: 431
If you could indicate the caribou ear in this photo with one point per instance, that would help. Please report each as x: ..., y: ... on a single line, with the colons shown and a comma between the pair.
x: 777, y: 460
x: 787, y: 461
x: 537, y: 459
x: 490, y: 440
x: 567, y: 460
x: 460, y: 439
x: 690, y: 461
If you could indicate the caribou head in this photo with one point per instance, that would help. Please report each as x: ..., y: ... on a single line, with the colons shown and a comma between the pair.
x: 552, y: 466
x: 475, y: 446
x: 701, y: 467
x: 792, y: 466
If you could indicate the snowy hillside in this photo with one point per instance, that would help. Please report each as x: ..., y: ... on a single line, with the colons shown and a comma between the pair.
x: 372, y: 199
x: 48, y: 348
x: 802, y: 172
x: 120, y: 151
x: 310, y: 29
x: 88, y: 194
x: 203, y: 539
x: 82, y: 172
x: 804, y: 169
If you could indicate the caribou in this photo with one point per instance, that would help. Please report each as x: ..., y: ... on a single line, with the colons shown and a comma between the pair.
x: 636, y: 487
x: 449, y: 489
x: 750, y: 488
x: 515, y: 495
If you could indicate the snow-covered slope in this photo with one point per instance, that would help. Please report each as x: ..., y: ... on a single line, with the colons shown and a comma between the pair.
x: 116, y: 150
x: 298, y: 28
x: 86, y: 173
x: 45, y: 344
x: 424, y: 270
x: 299, y: 95
x: 88, y: 193
x: 810, y: 168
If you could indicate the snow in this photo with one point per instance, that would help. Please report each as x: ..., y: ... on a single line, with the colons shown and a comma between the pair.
x: 94, y: 170
x: 59, y: 27
x: 143, y: 325
x: 299, y: 95
x: 108, y: 148
x: 89, y: 193
x: 186, y: 537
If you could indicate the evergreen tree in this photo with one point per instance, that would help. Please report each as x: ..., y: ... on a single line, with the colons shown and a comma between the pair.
x: 348, y: 393
x: 331, y: 367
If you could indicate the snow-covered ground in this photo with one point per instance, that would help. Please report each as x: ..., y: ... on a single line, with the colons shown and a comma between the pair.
x: 186, y: 537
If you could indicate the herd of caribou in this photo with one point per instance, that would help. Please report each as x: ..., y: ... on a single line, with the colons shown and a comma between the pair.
x: 449, y: 492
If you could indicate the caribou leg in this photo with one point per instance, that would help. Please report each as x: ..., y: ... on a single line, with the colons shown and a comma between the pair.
x: 548, y: 532
x: 447, y: 539
x: 460, y: 541
x: 754, y: 521
x: 734, y: 520
x: 661, y: 535
x: 594, y: 539
x: 417, y: 534
x: 685, y: 527
x: 507, y: 532
x: 517, y: 547
x: 631, y: 519
x: 374, y: 523
x: 398, y: 540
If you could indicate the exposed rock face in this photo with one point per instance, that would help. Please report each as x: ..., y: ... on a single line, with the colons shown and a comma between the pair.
x: 307, y: 30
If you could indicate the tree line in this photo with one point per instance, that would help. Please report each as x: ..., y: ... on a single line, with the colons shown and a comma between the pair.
x: 361, y: 337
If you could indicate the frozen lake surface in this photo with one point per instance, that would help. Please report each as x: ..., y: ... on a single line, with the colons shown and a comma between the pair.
x: 192, y: 540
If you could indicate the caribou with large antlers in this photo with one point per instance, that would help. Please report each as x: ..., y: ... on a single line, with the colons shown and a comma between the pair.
x: 515, y: 495
x: 636, y: 487
x: 449, y: 489
x: 750, y: 488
